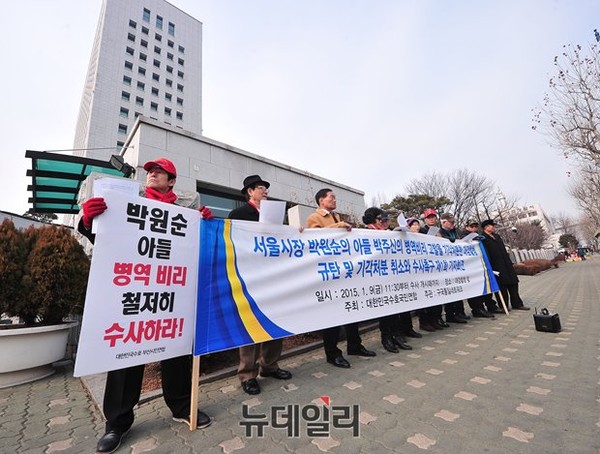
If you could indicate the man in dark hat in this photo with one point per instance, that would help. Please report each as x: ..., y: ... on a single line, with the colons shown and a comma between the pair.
x: 501, y: 263
x: 123, y: 386
x: 257, y: 358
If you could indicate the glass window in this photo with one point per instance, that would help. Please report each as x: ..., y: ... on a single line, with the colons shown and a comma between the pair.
x: 120, y: 143
x: 168, y: 96
x: 124, y: 112
x: 132, y: 23
x: 131, y: 37
x: 146, y: 15
x: 170, y: 43
x: 137, y: 114
x: 180, y: 87
x: 141, y: 85
x: 181, y: 49
x: 126, y: 80
x: 153, y: 106
x: 122, y: 129
x: 180, y: 61
x: 125, y: 96
x: 157, y: 37
x: 155, y: 77
x: 156, y: 63
x: 159, y: 22
x: 167, y: 111
x: 169, y: 56
x: 169, y: 69
x: 145, y: 30
x: 139, y: 101
x: 129, y: 50
x: 169, y: 82
x: 157, y: 50
x: 144, y: 43
x: 171, y: 29
x: 179, y: 115
x: 180, y: 101
x: 180, y: 74
x: 143, y: 56
x: 141, y: 71
x: 128, y: 65
x: 155, y: 91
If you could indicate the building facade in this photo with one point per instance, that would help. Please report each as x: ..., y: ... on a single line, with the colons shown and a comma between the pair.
x: 146, y: 60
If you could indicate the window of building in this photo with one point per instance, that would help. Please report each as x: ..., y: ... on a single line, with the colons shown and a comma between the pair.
x: 155, y: 91
x: 168, y: 111
x: 159, y: 22
x: 128, y: 65
x: 143, y: 56
x: 179, y: 115
x: 171, y: 29
x: 126, y: 80
x: 180, y: 61
x: 171, y: 44
x: 146, y: 15
x: 181, y: 49
x: 131, y: 37
x: 124, y: 112
x: 125, y: 96
x: 145, y: 30
x: 180, y: 74
x: 129, y: 50
x: 169, y: 69
x: 168, y: 96
x: 169, y: 56
x: 141, y: 85
x: 144, y: 43
x: 157, y: 37
x: 155, y: 77
x: 157, y: 50
x: 122, y: 128
x: 169, y: 82
x: 139, y: 101
x: 180, y: 87
x: 157, y: 63
x: 154, y: 106
x: 137, y: 114
x: 120, y: 143
x: 180, y: 101
x: 132, y: 23
x: 141, y: 71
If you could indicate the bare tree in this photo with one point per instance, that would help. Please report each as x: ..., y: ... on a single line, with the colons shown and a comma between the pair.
x: 563, y: 222
x: 585, y: 189
x: 587, y: 230
x: 525, y: 236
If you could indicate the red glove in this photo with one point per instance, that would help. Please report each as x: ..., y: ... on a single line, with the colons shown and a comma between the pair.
x: 92, y: 208
x: 206, y: 213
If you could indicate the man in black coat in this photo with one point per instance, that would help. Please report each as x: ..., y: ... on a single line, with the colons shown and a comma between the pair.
x: 502, y: 265
x: 261, y: 357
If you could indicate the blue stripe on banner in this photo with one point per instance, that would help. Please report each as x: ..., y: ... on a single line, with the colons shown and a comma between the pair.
x: 488, y: 270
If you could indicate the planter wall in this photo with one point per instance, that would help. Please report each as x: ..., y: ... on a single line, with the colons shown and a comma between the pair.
x: 28, y: 353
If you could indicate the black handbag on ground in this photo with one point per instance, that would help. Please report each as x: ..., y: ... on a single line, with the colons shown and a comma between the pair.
x: 546, y: 322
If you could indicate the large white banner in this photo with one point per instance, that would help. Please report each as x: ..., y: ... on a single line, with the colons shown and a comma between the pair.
x: 141, y: 296
x: 262, y: 281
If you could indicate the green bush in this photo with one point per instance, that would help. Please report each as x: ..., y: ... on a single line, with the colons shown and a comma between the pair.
x: 43, y: 273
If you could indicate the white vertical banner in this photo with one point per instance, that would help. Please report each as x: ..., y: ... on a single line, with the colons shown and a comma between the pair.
x: 141, y: 295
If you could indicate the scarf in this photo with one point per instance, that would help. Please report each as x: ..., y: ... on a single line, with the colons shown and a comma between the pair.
x: 168, y: 197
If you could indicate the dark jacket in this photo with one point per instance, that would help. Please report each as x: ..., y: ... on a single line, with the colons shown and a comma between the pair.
x: 451, y: 234
x: 246, y: 213
x: 499, y: 259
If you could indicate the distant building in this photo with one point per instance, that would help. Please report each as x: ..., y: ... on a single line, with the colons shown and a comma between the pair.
x: 146, y: 60
x: 530, y: 214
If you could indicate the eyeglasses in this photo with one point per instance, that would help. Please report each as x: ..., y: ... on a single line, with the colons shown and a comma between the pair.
x: 263, y: 188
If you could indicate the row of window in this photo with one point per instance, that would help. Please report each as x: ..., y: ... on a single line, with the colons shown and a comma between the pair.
x: 141, y: 85
x: 155, y: 91
x: 159, y: 25
x: 139, y: 101
x: 144, y: 43
x: 155, y: 62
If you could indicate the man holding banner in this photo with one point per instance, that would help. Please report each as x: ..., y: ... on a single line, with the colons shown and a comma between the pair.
x: 264, y: 355
x: 123, y: 386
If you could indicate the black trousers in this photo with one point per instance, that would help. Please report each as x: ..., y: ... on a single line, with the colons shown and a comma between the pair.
x: 124, y: 386
x: 396, y: 324
x: 454, y: 308
x: 511, y: 293
x: 477, y: 302
x: 331, y: 336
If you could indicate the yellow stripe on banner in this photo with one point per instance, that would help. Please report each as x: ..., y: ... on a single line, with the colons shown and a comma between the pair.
x: 488, y: 284
x: 255, y: 329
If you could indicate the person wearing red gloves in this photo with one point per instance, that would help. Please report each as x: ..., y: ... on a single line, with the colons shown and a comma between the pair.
x: 123, y: 387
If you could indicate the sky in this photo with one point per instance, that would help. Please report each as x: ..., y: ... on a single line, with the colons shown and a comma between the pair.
x: 370, y: 94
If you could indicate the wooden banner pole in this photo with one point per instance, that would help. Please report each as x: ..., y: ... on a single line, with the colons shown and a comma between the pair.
x: 194, y: 393
x: 503, y: 303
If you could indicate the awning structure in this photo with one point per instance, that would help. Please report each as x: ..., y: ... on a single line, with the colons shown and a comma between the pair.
x: 56, y: 179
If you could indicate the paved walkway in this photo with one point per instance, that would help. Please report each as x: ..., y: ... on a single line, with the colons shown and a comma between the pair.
x: 493, y: 386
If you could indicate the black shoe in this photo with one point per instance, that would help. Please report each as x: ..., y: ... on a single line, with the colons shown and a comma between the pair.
x: 339, y: 361
x: 412, y: 333
x: 429, y: 327
x: 279, y: 374
x: 480, y: 313
x: 251, y: 386
x: 401, y: 343
x: 440, y: 323
x: 454, y: 319
x: 463, y: 316
x: 389, y: 345
x: 521, y: 308
x: 362, y: 351
x: 110, y: 441
x: 498, y: 311
x: 202, y: 420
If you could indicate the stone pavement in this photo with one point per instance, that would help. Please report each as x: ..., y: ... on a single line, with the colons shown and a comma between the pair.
x: 493, y: 386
